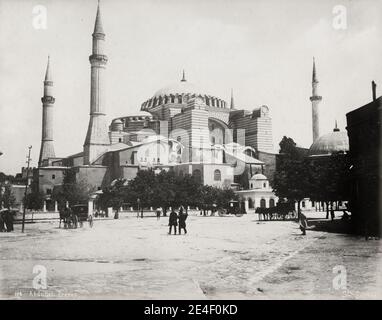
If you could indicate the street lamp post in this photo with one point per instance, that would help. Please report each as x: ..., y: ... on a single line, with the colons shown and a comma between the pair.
x: 26, y: 188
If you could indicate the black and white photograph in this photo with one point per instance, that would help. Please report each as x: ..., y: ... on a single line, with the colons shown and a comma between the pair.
x: 198, y: 150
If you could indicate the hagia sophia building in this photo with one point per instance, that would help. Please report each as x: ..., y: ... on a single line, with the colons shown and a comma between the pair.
x: 181, y: 127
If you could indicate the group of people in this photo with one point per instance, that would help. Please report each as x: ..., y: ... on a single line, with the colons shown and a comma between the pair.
x: 178, y: 220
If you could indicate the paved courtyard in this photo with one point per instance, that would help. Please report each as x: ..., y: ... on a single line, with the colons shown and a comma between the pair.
x: 220, y: 258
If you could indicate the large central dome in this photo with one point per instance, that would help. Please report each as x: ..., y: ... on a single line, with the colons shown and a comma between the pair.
x: 181, y: 87
x: 179, y: 93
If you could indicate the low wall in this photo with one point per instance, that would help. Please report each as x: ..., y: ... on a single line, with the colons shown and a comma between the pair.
x: 37, y: 216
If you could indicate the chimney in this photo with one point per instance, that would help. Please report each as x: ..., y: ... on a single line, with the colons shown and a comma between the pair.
x: 374, y: 87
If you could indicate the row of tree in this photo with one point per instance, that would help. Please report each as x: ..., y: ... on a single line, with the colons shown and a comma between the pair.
x: 323, y: 179
x: 166, y: 189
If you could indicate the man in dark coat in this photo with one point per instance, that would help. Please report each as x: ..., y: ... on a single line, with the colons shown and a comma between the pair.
x: 172, y: 221
x: 2, y: 220
x: 182, y: 220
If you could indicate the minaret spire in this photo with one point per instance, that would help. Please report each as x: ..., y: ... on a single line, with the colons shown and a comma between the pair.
x: 314, y: 74
x: 315, y: 99
x: 98, y: 28
x: 48, y: 74
x: 232, y: 106
x: 97, y: 137
x: 47, y: 148
x: 183, y: 77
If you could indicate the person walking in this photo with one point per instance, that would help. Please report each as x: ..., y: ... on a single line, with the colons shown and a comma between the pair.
x: 303, y: 223
x: 172, y: 221
x: 332, y: 215
x: 182, y: 220
x: 158, y: 212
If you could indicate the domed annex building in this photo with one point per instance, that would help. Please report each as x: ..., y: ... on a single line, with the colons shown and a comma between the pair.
x: 259, y: 194
x: 181, y: 127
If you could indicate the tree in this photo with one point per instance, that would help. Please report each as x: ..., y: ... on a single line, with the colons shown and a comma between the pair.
x: 35, y: 199
x: 113, y: 196
x: 4, y: 178
x: 291, y: 179
x: 72, y: 191
x: 330, y: 175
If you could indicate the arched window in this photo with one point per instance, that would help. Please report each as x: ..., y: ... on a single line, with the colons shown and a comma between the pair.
x: 217, y: 175
x: 197, y: 175
x: 262, y: 203
x: 172, y: 99
x: 264, y: 184
x: 179, y: 99
x: 271, y: 202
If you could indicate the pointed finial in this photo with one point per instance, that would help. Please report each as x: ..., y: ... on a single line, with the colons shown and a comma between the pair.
x: 336, y: 127
x: 314, y: 75
x: 98, y: 28
x: 48, y: 73
x: 183, y: 77
x: 232, y: 106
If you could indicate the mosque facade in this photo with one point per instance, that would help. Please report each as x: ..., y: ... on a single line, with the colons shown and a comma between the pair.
x: 182, y: 127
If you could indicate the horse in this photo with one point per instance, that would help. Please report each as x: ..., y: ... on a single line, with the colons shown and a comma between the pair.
x: 70, y: 220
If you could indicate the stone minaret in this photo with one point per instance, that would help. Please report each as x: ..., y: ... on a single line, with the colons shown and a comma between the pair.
x: 47, y: 149
x: 315, y: 99
x: 97, y: 137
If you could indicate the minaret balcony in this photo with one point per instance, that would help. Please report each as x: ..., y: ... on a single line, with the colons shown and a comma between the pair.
x: 48, y: 99
x: 100, y: 58
x: 315, y: 98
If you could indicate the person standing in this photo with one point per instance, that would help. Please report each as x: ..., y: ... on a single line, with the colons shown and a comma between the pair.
x: 182, y: 220
x: 172, y: 221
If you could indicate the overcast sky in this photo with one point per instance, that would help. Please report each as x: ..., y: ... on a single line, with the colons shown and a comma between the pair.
x: 261, y: 49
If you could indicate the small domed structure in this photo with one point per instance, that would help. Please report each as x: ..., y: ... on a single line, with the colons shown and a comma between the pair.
x: 117, y: 125
x: 259, y: 176
x: 330, y: 143
x: 258, y: 181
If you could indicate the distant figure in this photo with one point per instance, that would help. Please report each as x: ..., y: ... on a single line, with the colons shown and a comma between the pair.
x: 332, y: 215
x: 303, y: 223
x: 2, y: 220
x: 182, y: 220
x: 158, y: 212
x: 345, y: 216
x: 172, y: 221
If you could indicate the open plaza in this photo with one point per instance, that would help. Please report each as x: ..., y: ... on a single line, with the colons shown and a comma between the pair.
x: 219, y: 258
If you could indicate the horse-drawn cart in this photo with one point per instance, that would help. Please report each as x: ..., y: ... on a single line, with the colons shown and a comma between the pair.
x: 282, y: 211
x: 234, y: 208
x: 75, y: 216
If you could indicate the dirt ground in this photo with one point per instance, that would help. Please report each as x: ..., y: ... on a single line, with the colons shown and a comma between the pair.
x: 219, y: 258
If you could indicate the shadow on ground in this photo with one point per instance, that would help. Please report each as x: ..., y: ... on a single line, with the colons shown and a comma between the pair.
x: 335, y: 226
